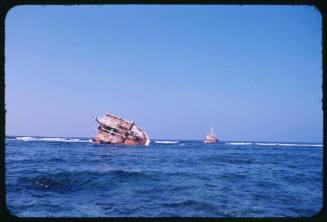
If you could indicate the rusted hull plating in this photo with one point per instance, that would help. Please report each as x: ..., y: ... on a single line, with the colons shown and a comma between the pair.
x: 116, y: 130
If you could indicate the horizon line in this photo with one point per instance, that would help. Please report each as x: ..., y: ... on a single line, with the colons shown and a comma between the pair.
x: 264, y: 141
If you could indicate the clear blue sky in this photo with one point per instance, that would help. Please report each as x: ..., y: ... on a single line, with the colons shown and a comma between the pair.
x: 251, y: 72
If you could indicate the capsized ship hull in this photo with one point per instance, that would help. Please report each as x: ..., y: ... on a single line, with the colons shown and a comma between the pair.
x: 115, y: 130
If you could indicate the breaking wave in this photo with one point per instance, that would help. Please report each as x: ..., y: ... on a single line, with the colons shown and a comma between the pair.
x: 166, y: 142
x: 54, y: 139
x: 288, y: 144
x: 240, y: 143
x: 274, y: 144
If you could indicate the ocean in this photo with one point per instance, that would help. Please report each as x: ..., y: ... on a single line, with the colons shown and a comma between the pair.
x: 72, y: 177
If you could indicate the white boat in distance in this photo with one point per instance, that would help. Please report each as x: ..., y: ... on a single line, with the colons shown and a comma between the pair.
x: 211, y: 137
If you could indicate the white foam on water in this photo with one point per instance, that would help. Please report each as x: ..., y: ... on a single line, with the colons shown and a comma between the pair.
x: 25, y: 138
x: 54, y: 139
x: 166, y: 142
x: 266, y: 144
x: 148, y: 141
x: 288, y: 144
x: 240, y: 143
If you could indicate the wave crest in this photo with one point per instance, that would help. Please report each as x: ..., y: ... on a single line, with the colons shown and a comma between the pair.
x: 54, y: 139
x: 166, y: 141
x: 288, y: 144
x: 240, y: 143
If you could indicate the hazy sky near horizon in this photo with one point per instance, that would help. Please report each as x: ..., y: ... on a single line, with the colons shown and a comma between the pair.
x: 251, y: 72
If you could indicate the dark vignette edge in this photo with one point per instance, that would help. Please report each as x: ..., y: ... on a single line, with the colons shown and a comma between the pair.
x: 7, y: 5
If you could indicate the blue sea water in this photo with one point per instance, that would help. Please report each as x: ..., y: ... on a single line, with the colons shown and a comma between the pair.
x: 73, y: 177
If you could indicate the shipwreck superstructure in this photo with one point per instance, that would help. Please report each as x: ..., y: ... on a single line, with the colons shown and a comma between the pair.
x: 211, y: 137
x: 116, y: 130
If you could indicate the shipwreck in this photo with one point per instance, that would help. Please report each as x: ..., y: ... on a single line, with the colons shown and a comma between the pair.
x: 116, y: 130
